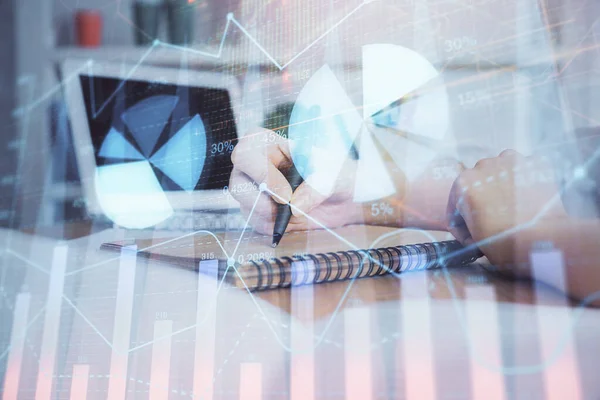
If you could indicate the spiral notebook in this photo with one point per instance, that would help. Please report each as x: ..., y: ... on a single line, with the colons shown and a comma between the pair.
x: 304, y: 257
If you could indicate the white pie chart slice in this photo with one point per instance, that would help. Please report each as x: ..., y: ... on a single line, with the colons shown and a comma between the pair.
x: 390, y: 73
x: 373, y: 181
x: 426, y: 115
x: 411, y: 157
x: 325, y: 124
x: 131, y: 196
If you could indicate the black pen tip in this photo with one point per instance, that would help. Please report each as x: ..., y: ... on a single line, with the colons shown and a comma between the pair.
x: 276, y: 239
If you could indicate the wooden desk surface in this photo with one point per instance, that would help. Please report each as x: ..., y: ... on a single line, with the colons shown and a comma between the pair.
x: 442, y: 284
x: 438, y: 332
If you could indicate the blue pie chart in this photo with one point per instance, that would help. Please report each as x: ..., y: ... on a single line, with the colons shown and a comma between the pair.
x: 127, y: 187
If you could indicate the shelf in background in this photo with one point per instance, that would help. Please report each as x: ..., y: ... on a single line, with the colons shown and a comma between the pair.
x: 162, y: 54
x: 199, y: 57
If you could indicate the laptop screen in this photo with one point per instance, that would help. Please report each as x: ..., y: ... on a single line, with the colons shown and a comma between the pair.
x: 185, y: 134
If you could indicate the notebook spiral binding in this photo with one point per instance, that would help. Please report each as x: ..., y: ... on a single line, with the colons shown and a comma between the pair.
x: 343, y: 265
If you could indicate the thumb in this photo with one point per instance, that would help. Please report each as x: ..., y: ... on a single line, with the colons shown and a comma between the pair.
x: 305, y: 199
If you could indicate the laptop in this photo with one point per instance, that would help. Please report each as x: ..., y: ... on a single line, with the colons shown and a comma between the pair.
x: 153, y: 145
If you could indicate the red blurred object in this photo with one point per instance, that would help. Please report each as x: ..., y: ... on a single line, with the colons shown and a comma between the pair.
x: 88, y: 25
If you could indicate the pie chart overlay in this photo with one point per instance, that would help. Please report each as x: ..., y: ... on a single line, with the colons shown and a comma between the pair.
x: 127, y: 186
x: 404, y: 107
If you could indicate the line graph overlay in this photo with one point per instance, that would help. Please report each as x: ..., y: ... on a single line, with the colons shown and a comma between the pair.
x: 554, y: 354
x: 204, y: 353
x: 484, y: 338
x: 50, y: 338
x: 561, y: 378
x: 79, y: 381
x: 107, y: 261
x: 122, y: 323
x: 31, y: 322
x: 302, y: 364
x: 323, y: 35
x: 321, y: 337
x: 217, y: 55
x: 507, y: 370
x: 574, y: 320
x: 358, y: 374
x: 161, y: 361
x: 96, y: 112
x: 87, y: 321
x: 27, y: 261
x: 417, y: 352
x: 526, y: 369
x: 17, y: 341
x: 126, y: 289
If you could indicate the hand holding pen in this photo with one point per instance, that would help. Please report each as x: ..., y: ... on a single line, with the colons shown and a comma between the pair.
x: 264, y: 157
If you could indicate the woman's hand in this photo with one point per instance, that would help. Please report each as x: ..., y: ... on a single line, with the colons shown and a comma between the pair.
x: 491, y: 202
x: 264, y: 157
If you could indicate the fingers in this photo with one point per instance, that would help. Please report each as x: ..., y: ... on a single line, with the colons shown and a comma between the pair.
x: 277, y: 185
x: 257, y: 205
x: 487, y: 199
x: 261, y: 170
x: 242, y: 188
x: 459, y: 229
x: 266, y: 142
x: 457, y: 210
x: 326, y: 215
x: 245, y: 191
x: 262, y: 157
x: 261, y: 210
x: 305, y: 199
x: 265, y: 158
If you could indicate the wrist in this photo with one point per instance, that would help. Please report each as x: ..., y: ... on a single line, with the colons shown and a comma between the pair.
x: 426, y: 201
x: 419, y: 203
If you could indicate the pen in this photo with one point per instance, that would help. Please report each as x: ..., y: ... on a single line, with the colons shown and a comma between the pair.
x: 284, y: 211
